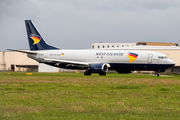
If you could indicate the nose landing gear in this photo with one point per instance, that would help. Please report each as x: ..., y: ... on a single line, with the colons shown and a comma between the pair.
x: 156, y: 73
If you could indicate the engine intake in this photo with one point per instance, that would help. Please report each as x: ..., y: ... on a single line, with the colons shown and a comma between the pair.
x: 99, y: 68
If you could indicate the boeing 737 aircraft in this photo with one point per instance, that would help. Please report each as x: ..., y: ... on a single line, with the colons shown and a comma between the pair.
x: 93, y: 61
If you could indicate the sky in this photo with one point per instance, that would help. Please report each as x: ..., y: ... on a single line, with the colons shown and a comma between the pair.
x: 75, y: 24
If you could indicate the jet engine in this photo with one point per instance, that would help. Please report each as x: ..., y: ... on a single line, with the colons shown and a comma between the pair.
x: 99, y: 68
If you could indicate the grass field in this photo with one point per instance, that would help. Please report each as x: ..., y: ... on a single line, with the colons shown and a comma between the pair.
x: 73, y: 96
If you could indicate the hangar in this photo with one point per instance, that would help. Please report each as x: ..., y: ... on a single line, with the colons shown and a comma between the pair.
x: 101, y: 45
x: 14, y: 61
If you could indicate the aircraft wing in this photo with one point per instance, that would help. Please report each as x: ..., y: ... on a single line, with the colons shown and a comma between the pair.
x: 29, y: 52
x: 70, y: 63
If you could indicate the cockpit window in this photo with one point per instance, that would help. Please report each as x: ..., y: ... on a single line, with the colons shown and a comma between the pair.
x: 162, y: 57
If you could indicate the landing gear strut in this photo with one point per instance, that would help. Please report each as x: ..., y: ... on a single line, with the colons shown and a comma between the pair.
x: 87, y: 73
x: 156, y: 73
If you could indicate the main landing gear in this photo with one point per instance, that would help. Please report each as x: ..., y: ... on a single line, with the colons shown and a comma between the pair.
x: 89, y: 73
x: 103, y: 73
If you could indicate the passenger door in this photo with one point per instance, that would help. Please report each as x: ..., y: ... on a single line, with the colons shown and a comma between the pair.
x: 150, y: 58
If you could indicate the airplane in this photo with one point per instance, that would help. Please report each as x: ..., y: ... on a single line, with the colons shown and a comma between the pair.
x: 93, y: 61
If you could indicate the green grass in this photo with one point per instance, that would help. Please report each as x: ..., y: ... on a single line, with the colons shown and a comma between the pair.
x: 73, y: 96
x: 127, y: 87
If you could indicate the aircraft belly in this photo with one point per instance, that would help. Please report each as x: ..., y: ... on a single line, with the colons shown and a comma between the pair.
x: 125, y: 66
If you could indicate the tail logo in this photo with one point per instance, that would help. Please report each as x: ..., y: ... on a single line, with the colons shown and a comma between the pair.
x: 132, y: 56
x: 35, y: 38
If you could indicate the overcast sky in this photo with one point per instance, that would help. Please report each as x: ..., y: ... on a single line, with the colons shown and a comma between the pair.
x: 75, y: 24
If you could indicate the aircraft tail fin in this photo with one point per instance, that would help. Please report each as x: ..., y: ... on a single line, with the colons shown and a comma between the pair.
x: 36, y: 41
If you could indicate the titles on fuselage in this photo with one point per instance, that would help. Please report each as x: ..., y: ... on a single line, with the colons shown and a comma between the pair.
x: 109, y: 54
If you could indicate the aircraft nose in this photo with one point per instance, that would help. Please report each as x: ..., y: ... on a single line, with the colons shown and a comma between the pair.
x: 171, y: 62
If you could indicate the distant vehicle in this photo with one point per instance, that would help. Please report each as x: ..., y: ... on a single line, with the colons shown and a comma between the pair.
x: 93, y: 61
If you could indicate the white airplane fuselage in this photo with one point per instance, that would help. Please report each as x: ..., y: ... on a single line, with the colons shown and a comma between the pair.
x: 117, y: 59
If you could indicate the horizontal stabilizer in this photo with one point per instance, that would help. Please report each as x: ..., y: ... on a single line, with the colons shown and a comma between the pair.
x: 28, y: 52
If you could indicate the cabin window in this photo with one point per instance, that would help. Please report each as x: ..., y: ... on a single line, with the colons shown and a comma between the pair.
x: 98, y: 46
x: 117, y: 45
x: 92, y: 46
x: 103, y: 46
x: 108, y: 46
x: 112, y: 45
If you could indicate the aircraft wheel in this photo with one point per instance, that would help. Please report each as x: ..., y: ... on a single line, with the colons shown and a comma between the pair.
x: 103, y: 73
x: 87, y: 73
x: 157, y: 75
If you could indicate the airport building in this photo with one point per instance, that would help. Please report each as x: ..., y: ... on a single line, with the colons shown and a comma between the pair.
x: 101, y: 45
x: 157, y: 44
x: 15, y: 61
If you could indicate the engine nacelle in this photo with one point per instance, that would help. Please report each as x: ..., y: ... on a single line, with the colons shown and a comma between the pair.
x: 99, y: 68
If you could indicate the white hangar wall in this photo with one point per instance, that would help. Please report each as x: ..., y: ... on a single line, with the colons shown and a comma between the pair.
x: 17, y: 62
